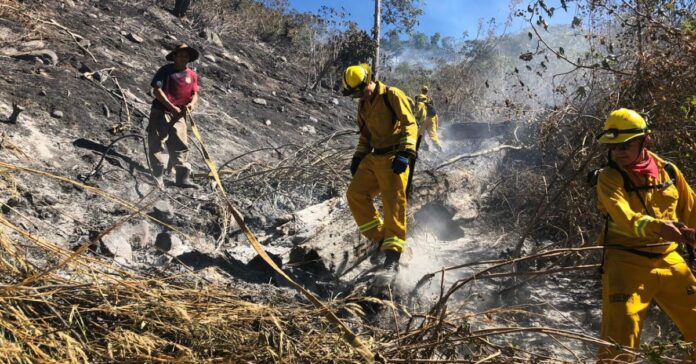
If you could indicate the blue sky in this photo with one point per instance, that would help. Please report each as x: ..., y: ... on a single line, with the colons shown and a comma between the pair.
x: 449, y: 17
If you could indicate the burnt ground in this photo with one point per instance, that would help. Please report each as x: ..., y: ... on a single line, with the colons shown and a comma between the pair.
x: 280, y: 157
x: 251, y: 98
x: 281, y: 148
x: 266, y: 168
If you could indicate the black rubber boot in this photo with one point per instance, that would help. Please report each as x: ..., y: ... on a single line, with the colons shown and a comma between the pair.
x: 183, y: 180
x: 374, y: 256
x: 391, y: 263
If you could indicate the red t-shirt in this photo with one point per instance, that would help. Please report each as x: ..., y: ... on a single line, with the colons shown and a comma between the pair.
x: 179, y: 86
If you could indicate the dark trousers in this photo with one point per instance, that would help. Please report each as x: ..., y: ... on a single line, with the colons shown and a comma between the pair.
x: 180, y: 7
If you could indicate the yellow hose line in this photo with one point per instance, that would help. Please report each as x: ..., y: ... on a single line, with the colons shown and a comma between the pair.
x: 348, y: 335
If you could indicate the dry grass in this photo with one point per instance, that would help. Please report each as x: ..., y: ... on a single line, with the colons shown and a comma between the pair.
x: 69, y: 306
x: 64, y: 306
x: 242, y: 17
x: 89, y: 311
x: 58, y: 305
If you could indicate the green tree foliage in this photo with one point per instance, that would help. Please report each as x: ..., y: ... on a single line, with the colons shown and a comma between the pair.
x: 435, y: 39
x: 419, y: 40
x: 327, y: 43
x: 355, y: 46
x: 402, y: 14
x: 393, y: 42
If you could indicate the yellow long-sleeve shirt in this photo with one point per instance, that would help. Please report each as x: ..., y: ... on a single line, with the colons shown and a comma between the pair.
x: 629, y: 224
x: 380, y: 128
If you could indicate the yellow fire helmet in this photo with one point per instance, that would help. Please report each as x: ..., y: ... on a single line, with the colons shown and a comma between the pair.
x: 355, y: 78
x: 623, y: 125
x: 424, y: 89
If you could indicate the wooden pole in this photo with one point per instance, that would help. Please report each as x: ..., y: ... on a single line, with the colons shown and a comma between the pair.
x: 378, y: 20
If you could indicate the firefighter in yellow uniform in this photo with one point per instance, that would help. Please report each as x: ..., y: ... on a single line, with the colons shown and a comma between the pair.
x: 380, y: 165
x: 650, y: 210
x: 427, y: 117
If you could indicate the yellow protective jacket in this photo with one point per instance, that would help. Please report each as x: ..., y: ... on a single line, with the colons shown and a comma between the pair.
x: 379, y: 128
x: 629, y: 225
x: 421, y: 109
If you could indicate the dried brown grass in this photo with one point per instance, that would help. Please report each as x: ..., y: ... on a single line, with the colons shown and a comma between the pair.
x: 58, y: 305
x: 92, y: 312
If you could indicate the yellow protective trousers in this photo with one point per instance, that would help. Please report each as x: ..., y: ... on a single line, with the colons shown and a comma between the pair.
x: 375, y: 177
x: 630, y: 283
x: 430, y: 126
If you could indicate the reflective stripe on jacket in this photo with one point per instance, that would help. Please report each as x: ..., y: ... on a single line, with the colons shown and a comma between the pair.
x: 629, y: 224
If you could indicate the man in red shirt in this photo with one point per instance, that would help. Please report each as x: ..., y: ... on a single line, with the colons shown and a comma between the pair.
x: 175, y: 87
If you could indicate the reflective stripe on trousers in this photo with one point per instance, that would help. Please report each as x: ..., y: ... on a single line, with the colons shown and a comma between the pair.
x: 629, y: 284
x: 375, y: 177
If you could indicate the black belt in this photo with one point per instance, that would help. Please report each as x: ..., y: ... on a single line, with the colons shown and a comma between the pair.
x: 387, y: 150
x: 646, y: 254
x: 638, y: 252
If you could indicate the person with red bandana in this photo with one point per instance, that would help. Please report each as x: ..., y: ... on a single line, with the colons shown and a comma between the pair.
x: 649, y: 209
x: 175, y: 87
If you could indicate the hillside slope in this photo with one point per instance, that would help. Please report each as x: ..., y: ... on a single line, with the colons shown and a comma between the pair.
x: 101, y: 266
x: 80, y: 70
x: 71, y: 64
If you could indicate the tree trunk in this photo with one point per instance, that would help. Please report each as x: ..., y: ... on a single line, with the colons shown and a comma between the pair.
x: 324, y: 71
x: 378, y: 19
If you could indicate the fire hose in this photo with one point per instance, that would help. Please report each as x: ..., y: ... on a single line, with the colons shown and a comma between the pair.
x: 347, y: 334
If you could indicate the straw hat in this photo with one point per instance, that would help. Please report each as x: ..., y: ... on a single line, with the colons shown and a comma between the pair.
x: 193, y: 54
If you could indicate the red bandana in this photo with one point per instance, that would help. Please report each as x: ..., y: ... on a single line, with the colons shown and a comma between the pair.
x: 647, y: 166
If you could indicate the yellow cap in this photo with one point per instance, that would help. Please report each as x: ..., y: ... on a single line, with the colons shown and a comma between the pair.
x: 424, y: 89
x: 355, y: 78
x: 623, y: 125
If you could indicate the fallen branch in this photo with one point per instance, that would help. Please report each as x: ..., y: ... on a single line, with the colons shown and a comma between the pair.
x: 460, y: 283
x: 541, y: 272
x: 122, y: 125
x: 474, y: 155
x: 116, y: 95
x: 5, y: 143
x: 74, y: 36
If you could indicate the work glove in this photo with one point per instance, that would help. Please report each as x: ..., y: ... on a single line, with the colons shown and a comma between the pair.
x: 400, y: 162
x: 354, y: 163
